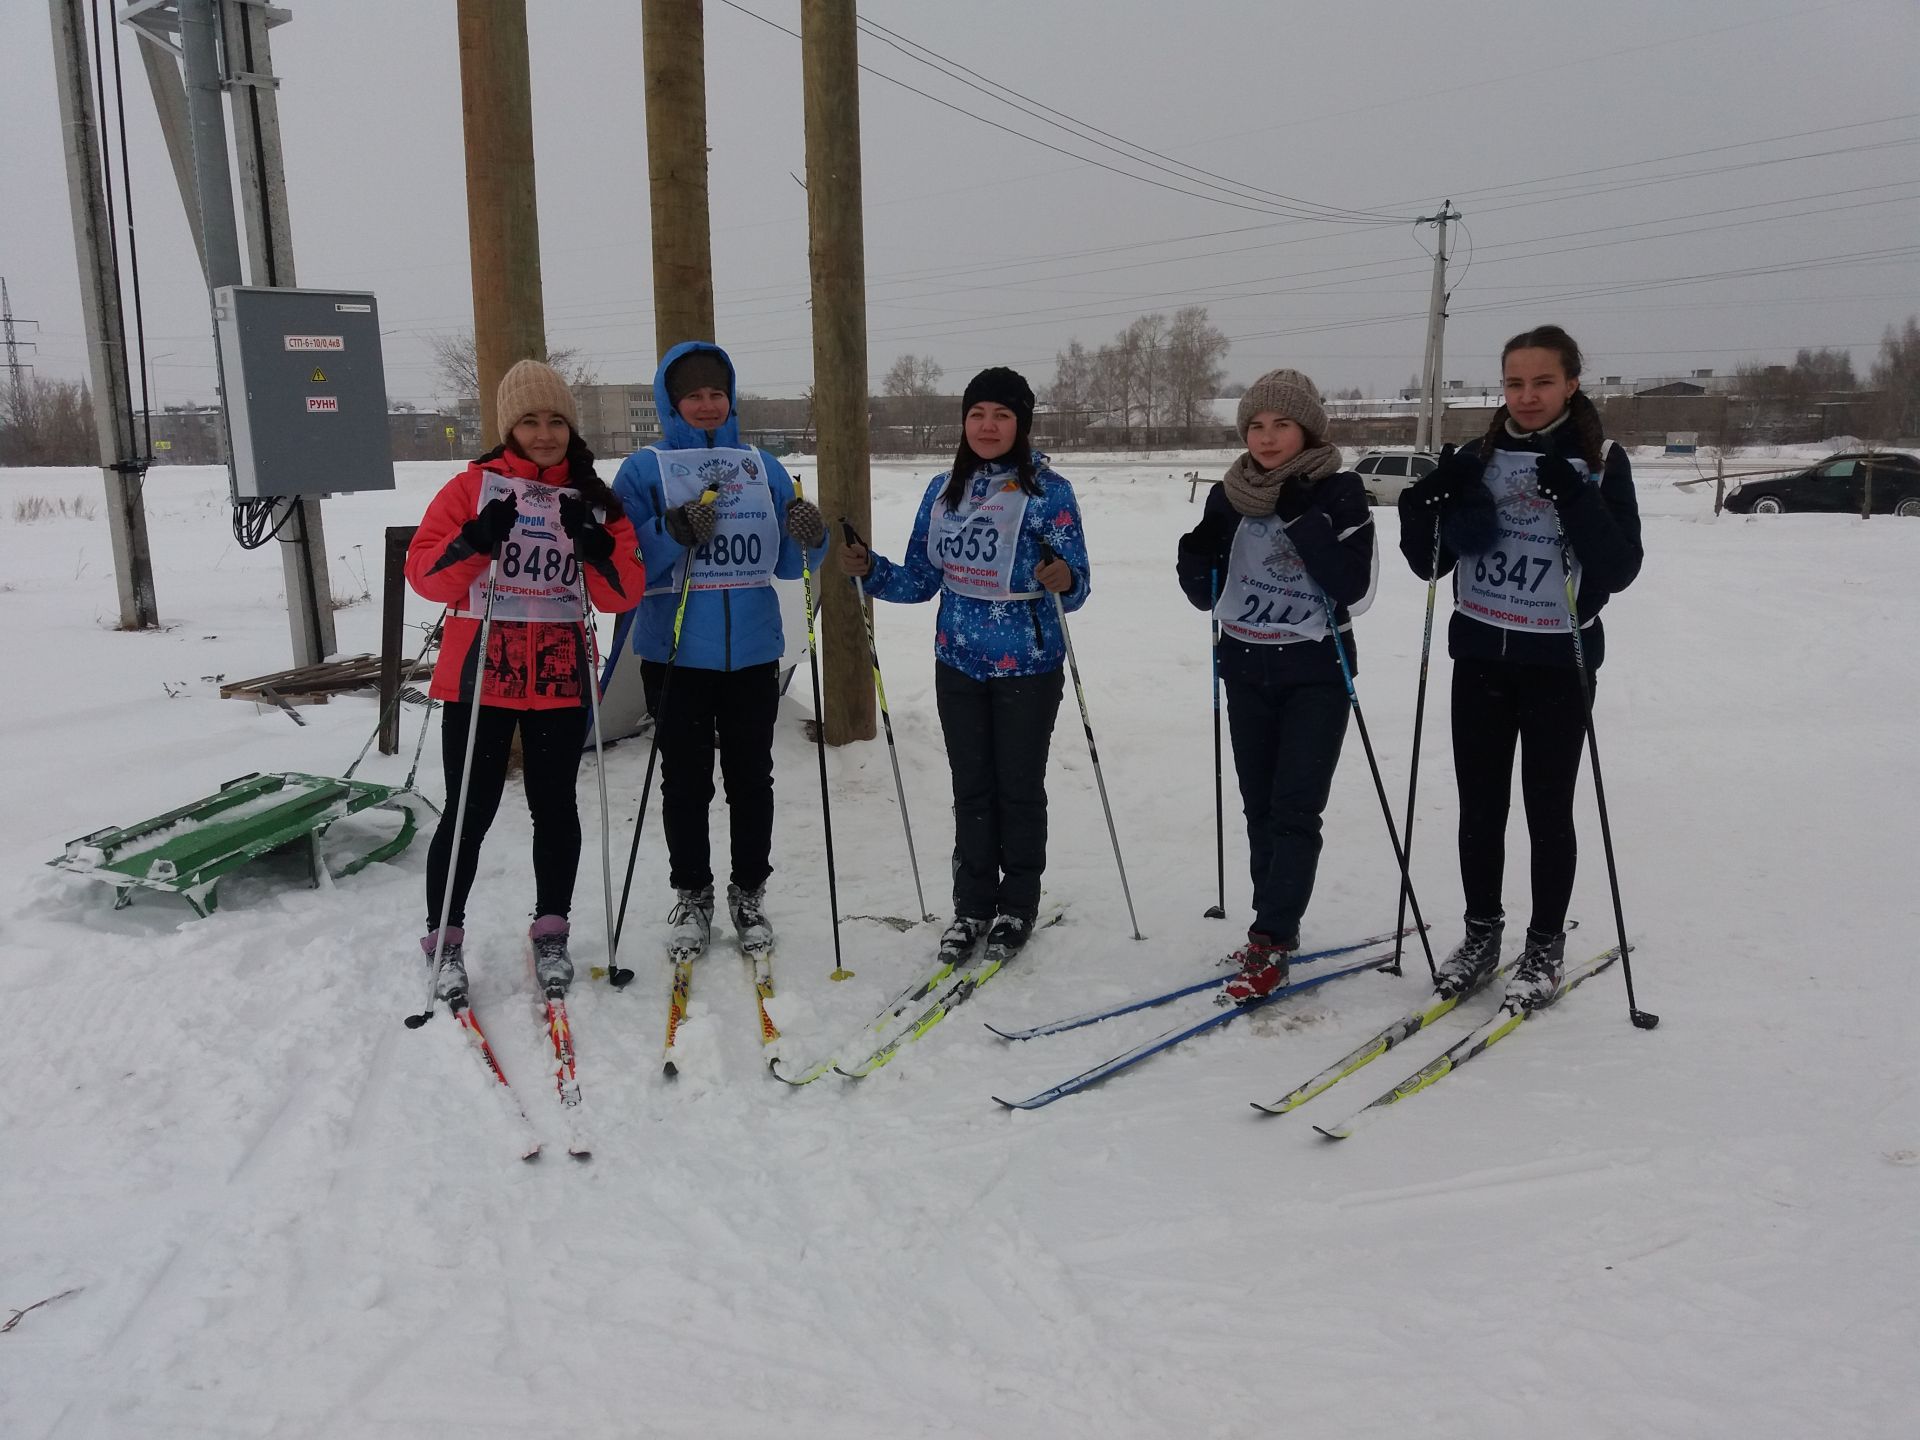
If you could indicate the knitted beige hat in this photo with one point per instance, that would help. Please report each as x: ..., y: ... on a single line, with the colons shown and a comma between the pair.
x: 529, y: 387
x: 1288, y: 394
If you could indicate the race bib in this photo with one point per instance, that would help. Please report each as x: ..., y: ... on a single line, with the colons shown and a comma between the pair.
x: 1518, y: 584
x: 745, y: 545
x: 1267, y: 598
x: 974, y: 546
x: 538, y: 576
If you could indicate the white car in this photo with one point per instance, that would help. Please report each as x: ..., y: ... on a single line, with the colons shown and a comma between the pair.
x: 1387, y: 473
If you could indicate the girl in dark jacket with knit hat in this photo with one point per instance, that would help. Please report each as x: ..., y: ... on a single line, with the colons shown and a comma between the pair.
x: 1284, y: 550
x: 536, y: 505
x: 1531, y: 510
x: 996, y: 538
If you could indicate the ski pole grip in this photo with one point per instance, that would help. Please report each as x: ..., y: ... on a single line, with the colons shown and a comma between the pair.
x: 852, y: 535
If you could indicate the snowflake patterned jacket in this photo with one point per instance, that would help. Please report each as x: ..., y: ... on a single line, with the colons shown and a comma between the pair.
x: 995, y: 639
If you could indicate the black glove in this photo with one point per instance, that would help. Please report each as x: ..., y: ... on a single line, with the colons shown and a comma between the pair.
x: 591, y: 542
x: 1557, y: 481
x: 1293, y: 501
x: 692, y: 523
x: 492, y: 525
x: 1443, y: 483
x: 805, y: 523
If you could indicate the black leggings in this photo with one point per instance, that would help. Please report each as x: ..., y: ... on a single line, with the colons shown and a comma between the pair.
x: 550, y: 747
x: 1497, y: 704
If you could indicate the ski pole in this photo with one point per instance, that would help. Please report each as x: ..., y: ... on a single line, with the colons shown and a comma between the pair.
x: 411, y: 672
x: 1642, y: 1019
x: 1419, y: 716
x: 414, y: 1022
x: 616, y: 976
x: 599, y: 765
x: 839, y: 971
x: 1379, y: 786
x: 1093, y: 751
x: 886, y: 718
x: 1218, y: 911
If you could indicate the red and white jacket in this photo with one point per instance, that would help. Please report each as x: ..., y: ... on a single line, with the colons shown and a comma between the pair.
x: 530, y: 665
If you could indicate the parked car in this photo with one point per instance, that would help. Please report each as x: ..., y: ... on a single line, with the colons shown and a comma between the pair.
x: 1835, y: 484
x: 1386, y: 474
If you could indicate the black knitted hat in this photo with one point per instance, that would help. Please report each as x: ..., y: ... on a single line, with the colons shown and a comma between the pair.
x: 1003, y: 387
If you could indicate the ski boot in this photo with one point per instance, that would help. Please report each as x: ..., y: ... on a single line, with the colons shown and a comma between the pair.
x: 958, y: 942
x: 749, y: 919
x: 1472, y: 961
x: 1263, y: 969
x: 552, y: 966
x: 450, y: 982
x: 1536, y: 974
x: 691, y: 922
x: 1008, y: 937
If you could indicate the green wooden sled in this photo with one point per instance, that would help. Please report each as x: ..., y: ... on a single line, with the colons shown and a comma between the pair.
x: 188, y: 851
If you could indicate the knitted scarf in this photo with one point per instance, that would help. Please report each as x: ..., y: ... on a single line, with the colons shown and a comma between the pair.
x: 1253, y: 491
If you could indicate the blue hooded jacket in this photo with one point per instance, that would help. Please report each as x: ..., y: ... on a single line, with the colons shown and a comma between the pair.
x: 724, y: 629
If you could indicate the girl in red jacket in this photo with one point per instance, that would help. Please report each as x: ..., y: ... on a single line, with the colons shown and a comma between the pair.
x: 537, y: 507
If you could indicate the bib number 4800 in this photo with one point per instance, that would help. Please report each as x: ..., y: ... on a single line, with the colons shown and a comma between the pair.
x: 730, y: 550
x: 1495, y: 569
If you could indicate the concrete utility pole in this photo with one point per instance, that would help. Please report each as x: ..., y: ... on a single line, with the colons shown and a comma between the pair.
x: 255, y: 95
x: 1428, y: 431
x: 503, y: 220
x: 121, y: 467
x: 830, y: 59
x: 673, y: 36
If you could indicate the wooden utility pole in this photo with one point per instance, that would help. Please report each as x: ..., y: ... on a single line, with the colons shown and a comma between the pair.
x: 830, y: 59
x: 673, y: 38
x: 503, y: 223
x: 120, y: 464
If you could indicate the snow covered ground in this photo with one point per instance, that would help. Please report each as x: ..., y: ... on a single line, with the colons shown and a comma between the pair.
x: 285, y: 1215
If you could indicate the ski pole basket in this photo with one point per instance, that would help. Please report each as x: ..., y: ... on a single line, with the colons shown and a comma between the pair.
x: 188, y: 851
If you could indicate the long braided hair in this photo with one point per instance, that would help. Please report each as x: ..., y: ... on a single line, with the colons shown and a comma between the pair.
x: 1582, y: 415
x: 580, y: 473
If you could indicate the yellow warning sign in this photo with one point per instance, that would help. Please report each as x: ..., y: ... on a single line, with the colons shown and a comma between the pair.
x: 319, y: 377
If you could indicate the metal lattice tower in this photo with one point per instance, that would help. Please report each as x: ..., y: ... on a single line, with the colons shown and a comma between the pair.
x: 16, y: 371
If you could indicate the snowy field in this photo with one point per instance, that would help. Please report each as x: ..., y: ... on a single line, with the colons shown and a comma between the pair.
x: 285, y: 1215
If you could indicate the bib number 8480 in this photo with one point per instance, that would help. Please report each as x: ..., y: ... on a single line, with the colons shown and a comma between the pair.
x: 537, y: 563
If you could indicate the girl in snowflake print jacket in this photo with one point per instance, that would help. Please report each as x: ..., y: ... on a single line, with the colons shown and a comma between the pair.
x: 995, y: 538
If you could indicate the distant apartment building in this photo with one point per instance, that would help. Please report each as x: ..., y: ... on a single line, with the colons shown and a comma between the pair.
x: 616, y: 420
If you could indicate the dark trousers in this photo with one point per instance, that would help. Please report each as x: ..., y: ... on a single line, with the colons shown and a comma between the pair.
x: 700, y: 710
x: 1286, y: 743
x: 550, y: 750
x: 998, y: 733
x: 1496, y: 705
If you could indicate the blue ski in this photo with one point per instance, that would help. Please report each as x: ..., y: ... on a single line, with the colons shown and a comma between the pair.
x: 1213, y: 981
x: 1088, y: 1078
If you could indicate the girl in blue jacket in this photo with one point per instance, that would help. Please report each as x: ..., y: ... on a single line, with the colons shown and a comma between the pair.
x: 996, y: 538
x: 726, y: 687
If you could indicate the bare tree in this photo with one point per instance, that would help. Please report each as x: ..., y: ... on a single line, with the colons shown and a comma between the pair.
x: 1788, y: 402
x: 916, y: 380
x: 456, y: 365
x: 47, y: 422
x: 1896, y: 375
x: 1071, y: 394
x: 1193, y: 371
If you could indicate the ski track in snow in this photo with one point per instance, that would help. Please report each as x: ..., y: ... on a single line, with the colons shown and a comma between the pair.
x: 294, y: 1218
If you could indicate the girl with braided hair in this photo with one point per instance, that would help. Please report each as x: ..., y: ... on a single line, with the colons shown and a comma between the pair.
x: 1539, y: 506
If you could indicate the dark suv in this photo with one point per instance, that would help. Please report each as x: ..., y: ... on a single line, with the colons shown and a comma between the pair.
x: 1836, y: 484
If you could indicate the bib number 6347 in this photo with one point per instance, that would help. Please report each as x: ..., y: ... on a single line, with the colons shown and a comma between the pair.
x: 1495, y: 569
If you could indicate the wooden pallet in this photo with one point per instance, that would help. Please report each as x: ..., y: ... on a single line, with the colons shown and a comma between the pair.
x: 312, y: 683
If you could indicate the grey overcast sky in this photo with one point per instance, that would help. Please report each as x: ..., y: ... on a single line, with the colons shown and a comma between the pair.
x: 1683, y: 185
